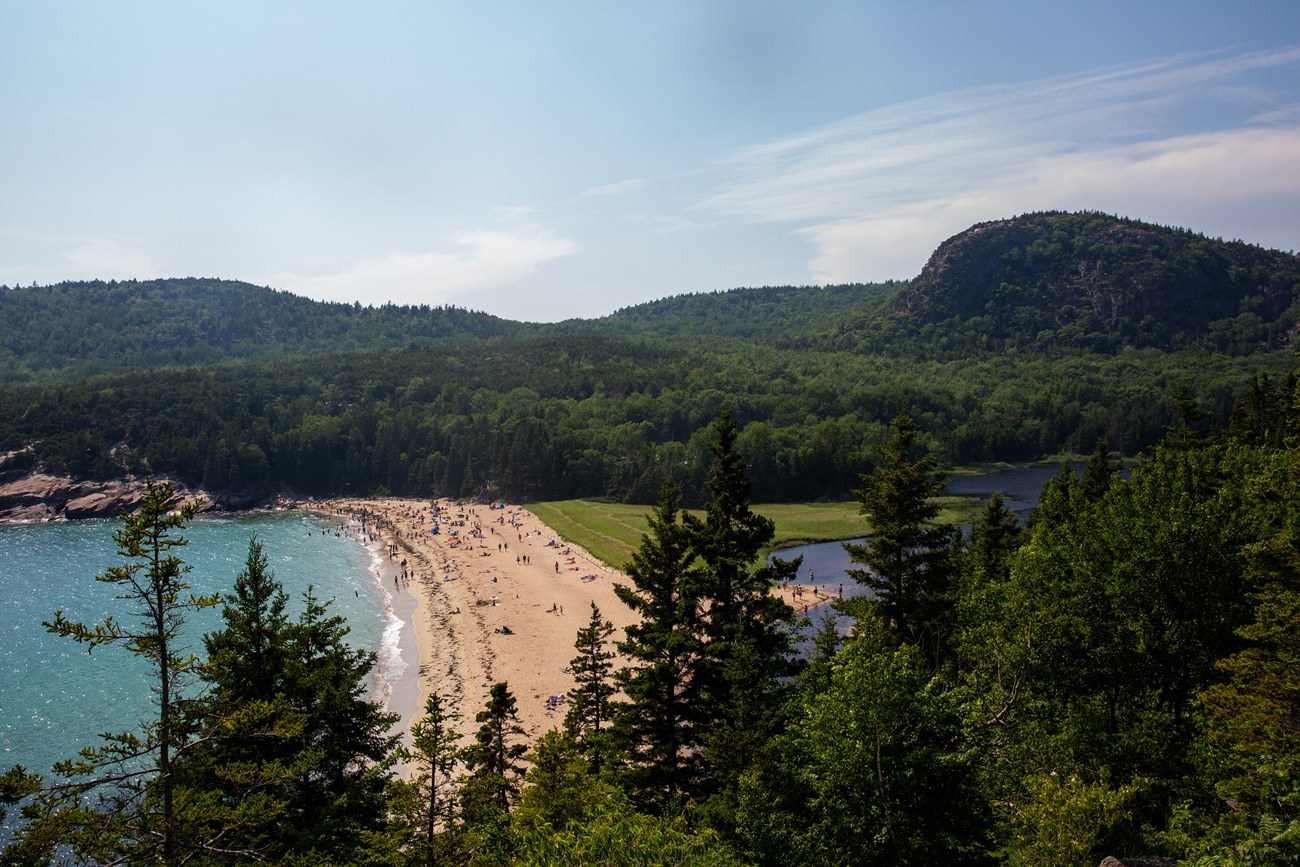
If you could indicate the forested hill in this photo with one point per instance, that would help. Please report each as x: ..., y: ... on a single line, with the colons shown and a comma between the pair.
x: 1120, y: 330
x: 99, y: 327
x: 770, y: 313
x: 1045, y: 283
x: 1085, y: 281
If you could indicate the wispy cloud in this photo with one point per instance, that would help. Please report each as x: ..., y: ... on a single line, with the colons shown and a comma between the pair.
x: 475, y: 260
x: 632, y: 185
x: 875, y: 192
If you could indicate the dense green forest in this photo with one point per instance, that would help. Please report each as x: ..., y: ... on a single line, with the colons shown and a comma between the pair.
x: 1021, y: 339
x: 1121, y: 676
x: 81, y: 329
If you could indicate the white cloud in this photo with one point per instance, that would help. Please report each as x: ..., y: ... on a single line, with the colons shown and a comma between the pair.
x: 877, y: 192
x: 479, y: 259
x: 1203, y: 182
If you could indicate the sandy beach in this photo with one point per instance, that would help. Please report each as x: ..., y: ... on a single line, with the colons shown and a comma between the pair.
x: 495, y: 595
x: 498, y: 597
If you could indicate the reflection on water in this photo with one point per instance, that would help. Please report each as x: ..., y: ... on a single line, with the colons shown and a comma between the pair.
x: 825, y: 564
x: 1020, y: 485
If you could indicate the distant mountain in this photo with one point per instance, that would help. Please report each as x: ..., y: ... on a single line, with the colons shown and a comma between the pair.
x: 1040, y: 283
x: 97, y: 327
x: 1090, y: 281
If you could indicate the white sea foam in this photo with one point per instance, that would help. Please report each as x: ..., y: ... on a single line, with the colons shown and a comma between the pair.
x: 391, y: 666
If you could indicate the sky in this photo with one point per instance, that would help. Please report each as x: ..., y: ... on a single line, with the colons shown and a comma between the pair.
x: 546, y: 161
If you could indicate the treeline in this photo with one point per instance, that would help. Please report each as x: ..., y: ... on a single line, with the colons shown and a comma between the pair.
x: 1118, y: 677
x: 592, y: 417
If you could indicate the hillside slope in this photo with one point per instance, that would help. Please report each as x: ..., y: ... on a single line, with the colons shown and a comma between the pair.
x: 1089, y: 281
x: 97, y: 327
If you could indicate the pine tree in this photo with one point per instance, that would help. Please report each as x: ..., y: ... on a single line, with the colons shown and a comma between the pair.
x: 340, y: 795
x: 247, y: 656
x: 1100, y: 472
x: 590, y: 711
x: 134, y: 815
x: 493, y: 760
x: 661, y: 722
x: 424, y: 804
x: 995, y: 536
x: 747, y: 643
x: 907, y: 558
x: 244, y: 756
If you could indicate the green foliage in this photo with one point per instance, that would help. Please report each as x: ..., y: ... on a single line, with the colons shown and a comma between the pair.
x: 121, y: 798
x: 1062, y: 820
x: 1090, y: 281
x: 870, y: 771
x: 423, y: 806
x: 562, y: 787
x: 746, y: 641
x: 493, y: 760
x: 1252, y: 715
x: 907, y: 557
x: 616, y: 834
x: 78, y: 328
x: 590, y: 709
x: 245, y: 391
x: 661, y: 725
x: 289, y: 737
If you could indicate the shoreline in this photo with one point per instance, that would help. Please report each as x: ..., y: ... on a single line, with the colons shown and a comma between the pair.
x: 493, y: 596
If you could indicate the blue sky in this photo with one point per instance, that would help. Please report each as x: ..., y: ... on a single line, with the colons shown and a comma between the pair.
x: 543, y: 161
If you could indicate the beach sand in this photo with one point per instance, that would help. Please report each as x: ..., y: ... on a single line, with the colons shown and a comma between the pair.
x: 502, y: 569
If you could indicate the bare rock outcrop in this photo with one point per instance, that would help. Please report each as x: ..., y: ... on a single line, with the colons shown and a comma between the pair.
x: 40, y: 496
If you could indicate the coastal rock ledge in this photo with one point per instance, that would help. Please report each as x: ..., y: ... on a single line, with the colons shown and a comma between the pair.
x: 43, y: 497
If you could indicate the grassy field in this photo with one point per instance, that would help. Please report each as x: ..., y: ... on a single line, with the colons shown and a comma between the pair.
x: 611, y: 531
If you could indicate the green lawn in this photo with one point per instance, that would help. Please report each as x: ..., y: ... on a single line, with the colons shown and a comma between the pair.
x: 611, y: 531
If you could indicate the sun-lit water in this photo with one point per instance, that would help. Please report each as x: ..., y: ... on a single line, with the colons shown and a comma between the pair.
x: 56, y: 698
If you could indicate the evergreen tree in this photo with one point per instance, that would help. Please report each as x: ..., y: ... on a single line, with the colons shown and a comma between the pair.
x: 907, y: 558
x: 661, y: 722
x: 994, y: 538
x: 424, y: 805
x: 872, y: 770
x: 247, y: 656
x: 1100, y: 472
x: 340, y: 795
x: 133, y: 814
x: 1188, y: 431
x: 746, y: 644
x: 493, y: 760
x: 590, y: 711
x: 238, y: 770
x: 562, y: 787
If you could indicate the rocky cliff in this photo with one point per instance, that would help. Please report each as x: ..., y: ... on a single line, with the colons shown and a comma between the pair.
x: 38, y: 496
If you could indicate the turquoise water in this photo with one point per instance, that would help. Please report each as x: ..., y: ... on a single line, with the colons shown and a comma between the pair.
x: 56, y: 698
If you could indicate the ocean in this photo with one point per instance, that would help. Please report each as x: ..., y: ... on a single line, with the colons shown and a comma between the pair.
x: 56, y: 698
